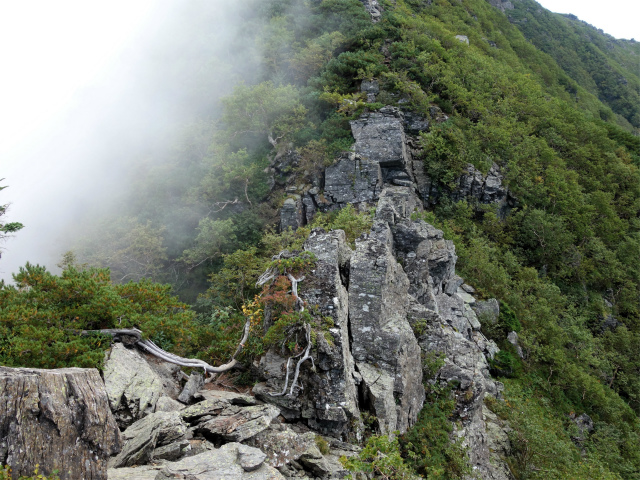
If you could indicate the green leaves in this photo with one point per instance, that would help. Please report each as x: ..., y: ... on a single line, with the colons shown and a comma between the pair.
x: 214, y: 238
x: 271, y: 112
x: 11, y: 227
x: 40, y: 318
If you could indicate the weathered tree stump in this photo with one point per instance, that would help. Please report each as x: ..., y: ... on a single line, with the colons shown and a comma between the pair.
x: 59, y: 419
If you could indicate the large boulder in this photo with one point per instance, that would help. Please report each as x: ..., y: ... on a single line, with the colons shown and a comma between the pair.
x: 58, y: 419
x: 353, y: 180
x: 148, y: 434
x: 292, y: 214
x: 231, y: 461
x: 133, y: 387
x: 282, y: 445
x: 329, y: 400
x: 380, y: 137
x: 237, y: 424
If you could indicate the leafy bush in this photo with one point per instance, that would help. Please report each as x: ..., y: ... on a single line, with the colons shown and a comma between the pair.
x: 428, y: 447
x: 42, y: 316
x: 380, y: 457
x: 5, y: 474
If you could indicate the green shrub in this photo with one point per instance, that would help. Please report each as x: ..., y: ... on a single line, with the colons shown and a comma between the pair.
x: 427, y: 446
x: 5, y: 474
x: 381, y: 457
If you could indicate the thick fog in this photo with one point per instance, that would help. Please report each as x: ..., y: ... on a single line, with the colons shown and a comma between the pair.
x: 73, y: 158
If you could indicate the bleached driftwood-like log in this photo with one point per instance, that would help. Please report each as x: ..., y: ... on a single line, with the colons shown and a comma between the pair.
x: 156, y: 351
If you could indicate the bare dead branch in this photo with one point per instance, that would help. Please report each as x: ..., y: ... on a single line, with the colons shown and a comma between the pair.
x: 157, y: 352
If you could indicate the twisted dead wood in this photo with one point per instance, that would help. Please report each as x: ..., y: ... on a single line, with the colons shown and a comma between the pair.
x: 158, y: 352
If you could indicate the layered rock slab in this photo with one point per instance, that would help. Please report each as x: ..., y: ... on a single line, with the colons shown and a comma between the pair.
x: 59, y: 419
x: 353, y: 181
x: 380, y: 137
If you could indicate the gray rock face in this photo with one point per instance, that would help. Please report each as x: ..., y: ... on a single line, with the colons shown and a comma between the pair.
x: 585, y: 427
x: 512, y: 338
x: 329, y: 403
x: 168, y: 404
x: 282, y: 445
x: 374, y: 9
x: 393, y: 299
x: 502, y: 5
x: 59, y: 419
x: 144, y: 436
x: 191, y: 388
x: 414, y: 124
x: 147, y: 472
x: 483, y: 188
x: 291, y: 214
x: 353, y: 180
x: 333, y: 387
x: 463, y: 39
x: 233, y: 398
x: 236, y: 424
x: 380, y: 137
x: 133, y: 387
x: 371, y: 88
x: 488, y: 311
x: 384, y: 347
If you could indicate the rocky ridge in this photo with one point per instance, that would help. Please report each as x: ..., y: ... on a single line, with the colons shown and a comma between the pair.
x: 402, y: 300
x: 393, y: 300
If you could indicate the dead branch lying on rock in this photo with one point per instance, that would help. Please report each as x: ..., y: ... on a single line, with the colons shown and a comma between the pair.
x: 156, y: 351
x: 271, y: 272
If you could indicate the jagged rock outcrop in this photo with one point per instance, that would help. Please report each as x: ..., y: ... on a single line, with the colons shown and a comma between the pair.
x: 191, y: 388
x: 146, y: 437
x: 292, y: 214
x: 384, y: 347
x: 502, y: 4
x: 59, y: 419
x: 472, y: 186
x: 395, y: 298
x: 353, y: 180
x: 374, y: 9
x: 231, y: 461
x: 380, y: 137
x: 483, y: 188
x: 329, y: 403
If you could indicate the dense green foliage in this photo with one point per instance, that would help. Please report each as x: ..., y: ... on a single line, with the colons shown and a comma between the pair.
x: 607, y: 67
x: 6, y: 474
x: 42, y: 315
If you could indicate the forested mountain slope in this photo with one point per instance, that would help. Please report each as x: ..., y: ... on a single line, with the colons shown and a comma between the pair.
x: 607, y: 67
x: 559, y: 250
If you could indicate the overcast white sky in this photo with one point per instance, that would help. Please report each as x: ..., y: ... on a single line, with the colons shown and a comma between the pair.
x: 620, y: 18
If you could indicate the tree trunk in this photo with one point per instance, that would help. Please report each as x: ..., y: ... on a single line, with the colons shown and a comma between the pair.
x: 59, y: 419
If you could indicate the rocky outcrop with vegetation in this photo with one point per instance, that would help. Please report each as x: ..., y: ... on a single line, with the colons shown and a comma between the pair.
x: 411, y: 248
